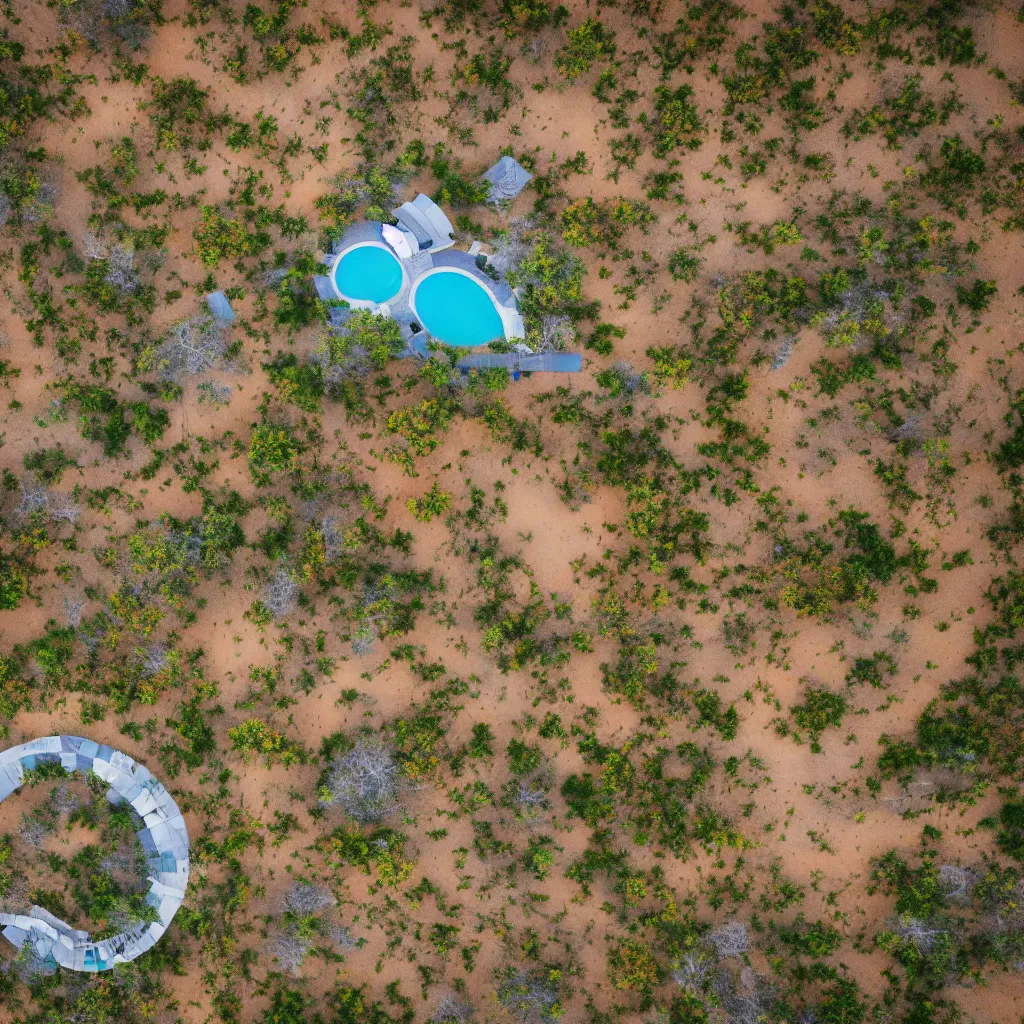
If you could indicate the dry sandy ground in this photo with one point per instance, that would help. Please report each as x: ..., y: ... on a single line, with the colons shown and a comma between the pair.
x: 802, y: 792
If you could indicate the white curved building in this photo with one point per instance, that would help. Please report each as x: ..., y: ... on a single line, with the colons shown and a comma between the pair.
x: 164, y: 838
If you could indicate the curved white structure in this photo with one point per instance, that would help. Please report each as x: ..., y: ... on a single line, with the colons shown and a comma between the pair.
x: 425, y: 225
x: 164, y: 837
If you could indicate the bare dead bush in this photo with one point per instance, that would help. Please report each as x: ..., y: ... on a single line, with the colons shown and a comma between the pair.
x: 73, y: 606
x: 33, y: 832
x: 30, y: 967
x: 154, y: 659
x: 94, y: 248
x: 783, y: 352
x: 529, y: 799
x: 557, y: 333
x: 343, y: 937
x: 121, y: 273
x: 363, y: 640
x: 577, y: 486
x: 34, y: 498
x: 957, y: 882
x: 629, y: 380
x: 374, y: 606
x: 695, y: 971
x: 313, y: 508
x: 213, y: 394
x: 909, y: 430
x: 121, y: 920
x: 63, y: 508
x: 537, y: 48
x: 97, y: 628
x: 512, y: 248
x: 334, y: 541
x: 355, y: 363
x: 746, y: 997
x: 365, y: 782
x: 192, y: 347
x: 530, y: 997
x: 921, y: 933
x: 63, y: 800
x: 127, y: 21
x: 306, y: 898
x: 452, y: 1011
x: 528, y: 795
x: 290, y: 951
x: 119, y: 863
x: 281, y: 594
x: 731, y: 939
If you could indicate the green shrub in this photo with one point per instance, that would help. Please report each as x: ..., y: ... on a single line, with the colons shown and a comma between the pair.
x: 224, y: 238
x: 272, y: 449
x: 978, y: 297
x: 821, y: 709
x: 255, y: 737
x: 519, y: 16
x: 434, y: 503
x: 49, y: 464
x: 676, y: 121
x: 453, y: 187
x: 684, y: 265
x: 1010, y: 837
x: 14, y: 581
x: 585, y: 45
x: 523, y: 759
x: 379, y: 337
x: 181, y: 115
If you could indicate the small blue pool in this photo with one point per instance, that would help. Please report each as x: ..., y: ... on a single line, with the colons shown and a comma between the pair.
x: 369, y: 272
x: 456, y: 309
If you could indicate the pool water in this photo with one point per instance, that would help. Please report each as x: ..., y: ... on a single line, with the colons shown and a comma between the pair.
x: 368, y: 272
x: 457, y: 310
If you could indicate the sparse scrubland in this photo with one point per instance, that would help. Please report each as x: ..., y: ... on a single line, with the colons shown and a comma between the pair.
x: 685, y: 689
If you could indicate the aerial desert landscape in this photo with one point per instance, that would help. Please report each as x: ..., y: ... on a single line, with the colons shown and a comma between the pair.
x: 511, y: 512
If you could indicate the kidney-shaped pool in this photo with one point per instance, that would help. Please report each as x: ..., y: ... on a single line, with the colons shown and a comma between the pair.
x: 456, y: 309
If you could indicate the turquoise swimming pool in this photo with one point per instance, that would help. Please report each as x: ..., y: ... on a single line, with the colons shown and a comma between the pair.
x: 456, y: 309
x: 368, y: 272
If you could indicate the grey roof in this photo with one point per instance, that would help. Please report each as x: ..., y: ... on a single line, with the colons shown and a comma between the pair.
x: 164, y: 837
x: 545, y: 362
x: 426, y: 221
x: 220, y: 307
x: 508, y: 178
x: 415, y: 224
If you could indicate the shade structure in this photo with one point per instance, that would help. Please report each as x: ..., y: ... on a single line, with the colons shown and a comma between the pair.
x: 220, y: 307
x: 507, y: 178
x: 425, y: 221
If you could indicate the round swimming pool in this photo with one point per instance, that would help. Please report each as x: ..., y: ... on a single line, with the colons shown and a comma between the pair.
x: 368, y: 272
x: 456, y: 309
